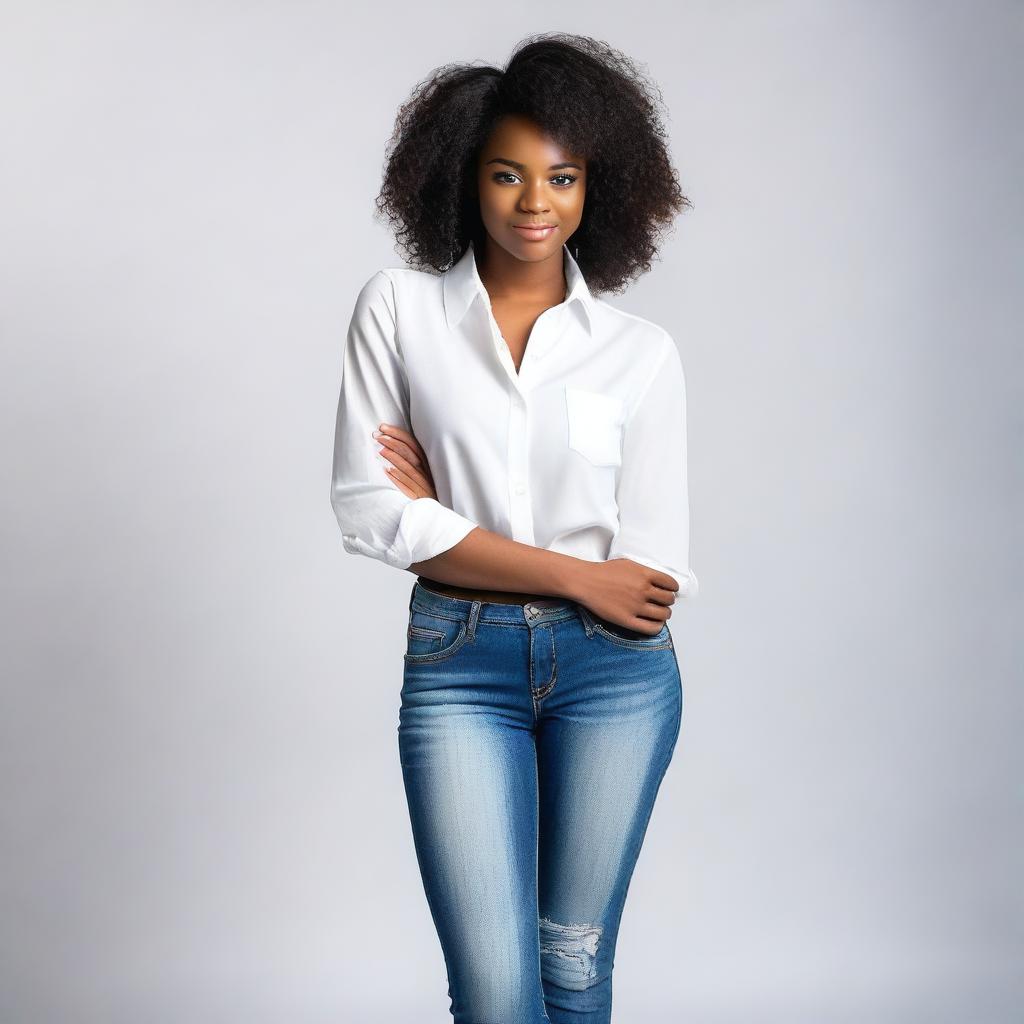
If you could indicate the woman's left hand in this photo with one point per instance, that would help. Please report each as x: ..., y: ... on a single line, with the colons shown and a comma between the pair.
x: 409, y: 468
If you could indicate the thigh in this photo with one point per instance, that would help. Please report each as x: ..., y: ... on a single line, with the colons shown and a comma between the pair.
x: 469, y: 767
x: 605, y: 738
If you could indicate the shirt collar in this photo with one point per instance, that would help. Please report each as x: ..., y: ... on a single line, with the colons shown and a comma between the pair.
x: 462, y: 285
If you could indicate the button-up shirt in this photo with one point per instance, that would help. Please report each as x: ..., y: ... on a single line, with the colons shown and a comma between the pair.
x: 582, y: 451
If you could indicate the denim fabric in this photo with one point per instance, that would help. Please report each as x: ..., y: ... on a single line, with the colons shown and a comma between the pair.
x: 533, y: 741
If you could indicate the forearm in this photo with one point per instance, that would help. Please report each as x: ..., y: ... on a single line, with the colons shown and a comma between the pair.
x: 490, y: 561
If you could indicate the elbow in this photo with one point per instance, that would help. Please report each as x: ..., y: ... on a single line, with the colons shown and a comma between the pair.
x: 367, y: 524
x: 385, y: 524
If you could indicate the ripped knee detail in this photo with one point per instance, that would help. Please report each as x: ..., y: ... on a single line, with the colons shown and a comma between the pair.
x: 569, y: 953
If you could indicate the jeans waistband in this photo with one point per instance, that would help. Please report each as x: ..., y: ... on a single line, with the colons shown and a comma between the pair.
x: 552, y: 609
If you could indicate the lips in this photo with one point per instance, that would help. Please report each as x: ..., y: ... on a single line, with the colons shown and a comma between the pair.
x: 534, y: 233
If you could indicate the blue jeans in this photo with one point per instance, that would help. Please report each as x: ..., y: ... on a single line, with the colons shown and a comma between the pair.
x: 533, y: 740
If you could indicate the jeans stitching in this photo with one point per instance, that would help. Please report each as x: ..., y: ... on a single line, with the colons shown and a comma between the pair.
x: 441, y: 655
x: 540, y: 694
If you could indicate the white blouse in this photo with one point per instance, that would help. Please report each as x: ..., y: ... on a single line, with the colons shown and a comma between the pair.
x: 583, y: 451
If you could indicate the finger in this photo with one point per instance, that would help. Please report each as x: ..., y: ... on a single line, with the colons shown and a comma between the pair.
x: 411, y: 472
x: 400, y: 448
x: 645, y: 626
x: 401, y: 441
x: 657, y: 612
x: 413, y: 456
x: 404, y: 488
x: 662, y: 579
x: 650, y: 624
x: 407, y: 484
x: 394, y: 430
x: 660, y: 596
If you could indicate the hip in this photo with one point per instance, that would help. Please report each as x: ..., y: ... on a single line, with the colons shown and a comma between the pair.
x: 540, y: 654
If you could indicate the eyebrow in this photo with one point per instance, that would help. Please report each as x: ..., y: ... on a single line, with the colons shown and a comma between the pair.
x: 522, y: 167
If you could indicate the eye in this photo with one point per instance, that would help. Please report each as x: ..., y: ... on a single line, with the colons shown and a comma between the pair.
x: 502, y: 178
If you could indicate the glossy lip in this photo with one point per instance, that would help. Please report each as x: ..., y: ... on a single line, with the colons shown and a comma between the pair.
x: 534, y: 234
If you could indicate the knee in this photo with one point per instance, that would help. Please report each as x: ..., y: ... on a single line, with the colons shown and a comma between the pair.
x: 568, y: 953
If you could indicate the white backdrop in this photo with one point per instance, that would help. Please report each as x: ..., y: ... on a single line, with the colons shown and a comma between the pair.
x: 203, y: 819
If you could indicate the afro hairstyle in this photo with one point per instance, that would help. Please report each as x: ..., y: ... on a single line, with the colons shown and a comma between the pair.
x: 588, y: 97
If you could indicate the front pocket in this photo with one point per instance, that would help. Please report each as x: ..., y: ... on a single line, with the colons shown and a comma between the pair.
x: 433, y: 637
x: 424, y: 641
x: 595, y: 425
x: 625, y: 637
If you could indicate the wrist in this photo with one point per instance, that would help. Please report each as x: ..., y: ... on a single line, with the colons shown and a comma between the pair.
x: 568, y: 576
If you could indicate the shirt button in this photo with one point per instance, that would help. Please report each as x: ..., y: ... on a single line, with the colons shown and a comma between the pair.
x: 520, y: 488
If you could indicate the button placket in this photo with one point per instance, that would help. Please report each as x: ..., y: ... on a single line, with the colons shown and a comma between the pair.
x: 520, y: 510
x: 501, y: 347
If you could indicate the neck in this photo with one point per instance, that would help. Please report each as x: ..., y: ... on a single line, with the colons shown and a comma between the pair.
x: 527, y: 281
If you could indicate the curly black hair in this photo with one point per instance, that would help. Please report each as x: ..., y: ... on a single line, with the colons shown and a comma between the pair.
x: 591, y: 99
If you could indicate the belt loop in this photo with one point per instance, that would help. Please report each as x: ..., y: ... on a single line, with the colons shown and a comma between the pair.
x: 474, y: 614
x: 586, y: 619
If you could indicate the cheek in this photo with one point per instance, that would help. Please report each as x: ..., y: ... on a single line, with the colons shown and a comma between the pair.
x: 493, y: 199
x: 570, y: 211
x: 573, y: 200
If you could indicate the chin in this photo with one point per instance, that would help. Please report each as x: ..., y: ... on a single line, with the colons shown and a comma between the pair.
x: 524, y: 248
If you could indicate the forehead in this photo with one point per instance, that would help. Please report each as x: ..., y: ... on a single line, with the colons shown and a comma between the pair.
x: 520, y: 138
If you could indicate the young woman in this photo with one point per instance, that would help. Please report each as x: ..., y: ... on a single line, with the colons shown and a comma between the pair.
x: 520, y: 445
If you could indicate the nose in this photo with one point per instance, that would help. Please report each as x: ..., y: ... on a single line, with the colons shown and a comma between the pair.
x: 534, y: 199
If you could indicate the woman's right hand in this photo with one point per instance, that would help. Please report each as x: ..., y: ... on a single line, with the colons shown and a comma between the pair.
x: 626, y: 593
x: 407, y: 462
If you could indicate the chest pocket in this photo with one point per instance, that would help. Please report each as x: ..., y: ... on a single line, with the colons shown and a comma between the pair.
x: 595, y: 425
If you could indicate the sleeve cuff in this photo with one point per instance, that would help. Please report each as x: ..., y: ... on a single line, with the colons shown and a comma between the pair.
x: 427, y: 528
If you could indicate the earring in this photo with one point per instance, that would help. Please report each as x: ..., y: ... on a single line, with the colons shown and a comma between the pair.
x: 577, y: 254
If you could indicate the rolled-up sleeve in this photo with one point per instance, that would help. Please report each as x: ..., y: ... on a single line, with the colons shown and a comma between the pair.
x: 375, y: 517
x: 652, y: 491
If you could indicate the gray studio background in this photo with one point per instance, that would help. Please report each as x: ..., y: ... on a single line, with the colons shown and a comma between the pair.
x: 202, y: 812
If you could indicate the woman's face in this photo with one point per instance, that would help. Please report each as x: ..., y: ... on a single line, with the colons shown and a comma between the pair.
x: 524, y: 177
